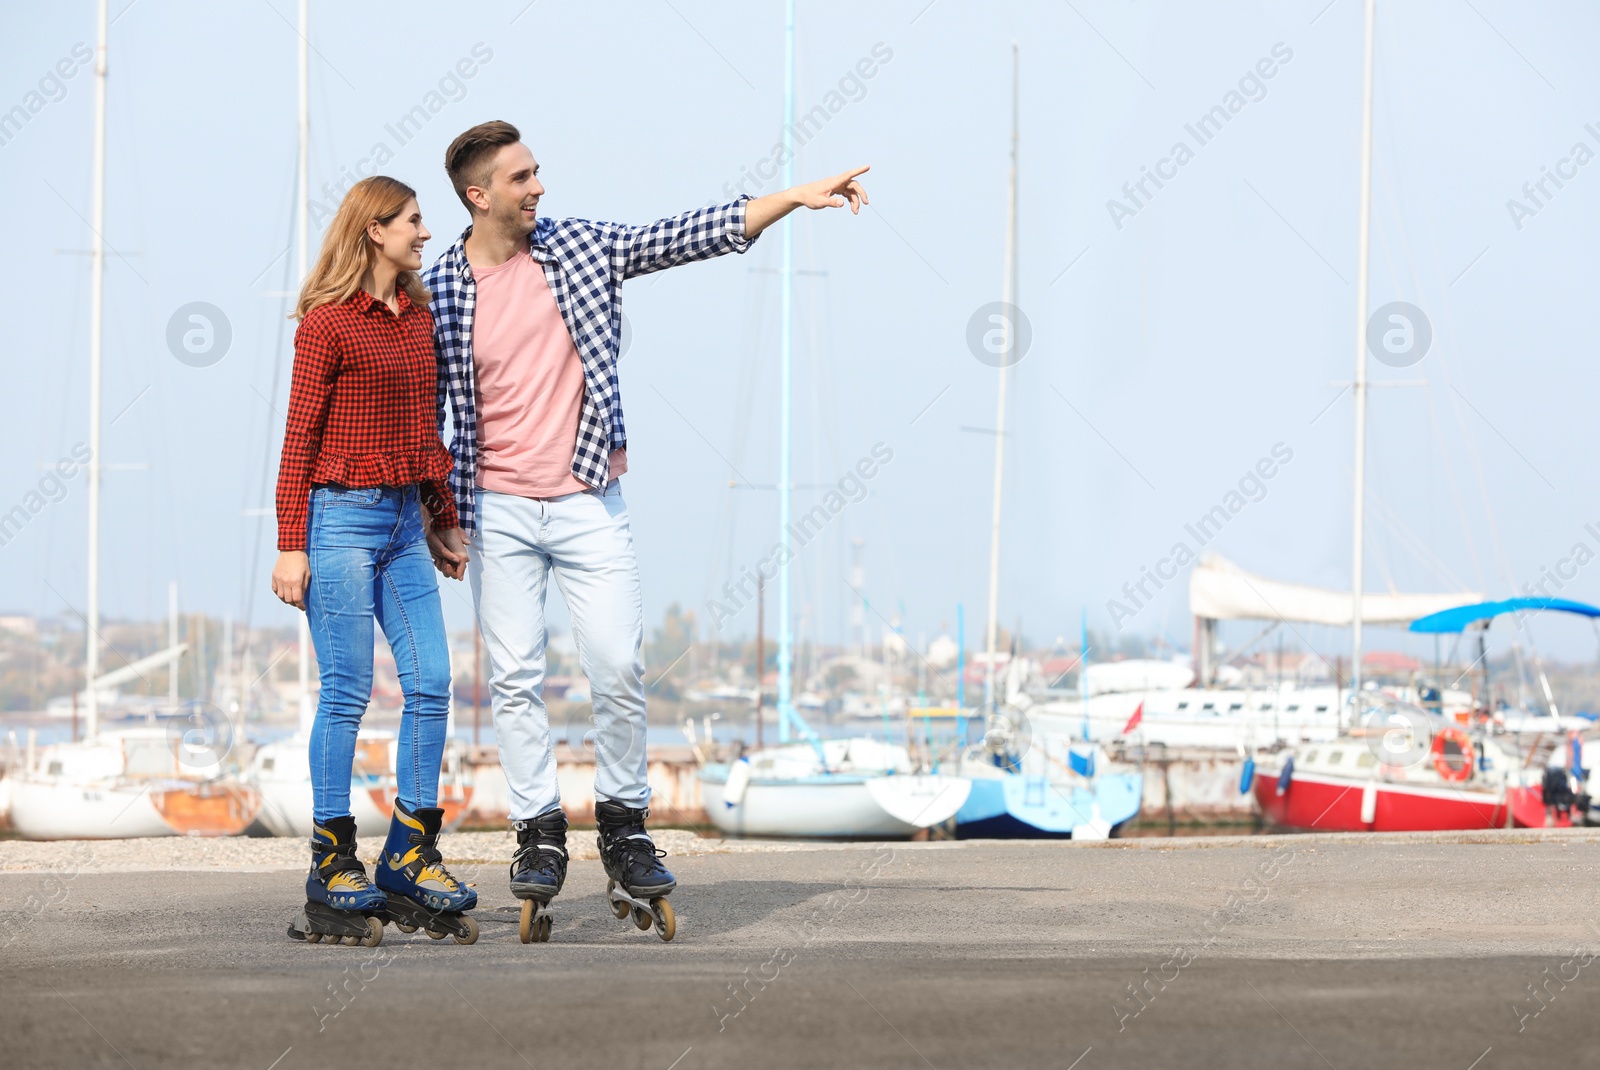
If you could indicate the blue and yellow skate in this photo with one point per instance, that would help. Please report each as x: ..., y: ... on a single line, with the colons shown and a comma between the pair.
x: 421, y: 893
x: 340, y: 901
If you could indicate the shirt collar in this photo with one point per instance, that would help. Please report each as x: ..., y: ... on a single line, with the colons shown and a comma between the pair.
x: 365, y: 302
x: 456, y: 255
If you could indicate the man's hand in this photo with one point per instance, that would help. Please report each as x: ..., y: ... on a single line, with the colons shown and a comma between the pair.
x: 834, y: 192
x: 291, y: 576
x: 449, y: 550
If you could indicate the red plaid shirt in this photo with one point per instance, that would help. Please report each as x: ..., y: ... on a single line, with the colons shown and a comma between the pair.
x: 361, y: 410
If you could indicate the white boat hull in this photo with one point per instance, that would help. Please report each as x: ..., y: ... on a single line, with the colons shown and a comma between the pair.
x: 837, y: 806
x: 286, y: 809
x: 61, y: 810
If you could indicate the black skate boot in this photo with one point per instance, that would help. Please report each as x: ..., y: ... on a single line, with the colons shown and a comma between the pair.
x: 638, y: 883
x: 340, y: 901
x: 538, y: 870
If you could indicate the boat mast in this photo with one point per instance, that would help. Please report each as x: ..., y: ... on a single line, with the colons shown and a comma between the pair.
x: 1000, y: 410
x: 786, y: 279
x: 1358, y: 534
x: 97, y: 283
x: 303, y: 228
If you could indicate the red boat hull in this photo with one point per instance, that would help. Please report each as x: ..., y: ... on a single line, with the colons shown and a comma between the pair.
x: 1329, y: 804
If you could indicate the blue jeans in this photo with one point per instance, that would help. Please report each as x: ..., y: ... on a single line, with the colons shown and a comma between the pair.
x: 370, y: 560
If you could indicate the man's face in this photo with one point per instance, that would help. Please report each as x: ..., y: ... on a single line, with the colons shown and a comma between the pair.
x: 514, y: 190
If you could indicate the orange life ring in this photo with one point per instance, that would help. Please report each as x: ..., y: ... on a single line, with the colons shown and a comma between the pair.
x: 1442, y: 764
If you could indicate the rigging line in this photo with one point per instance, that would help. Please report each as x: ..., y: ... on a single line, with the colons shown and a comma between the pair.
x: 725, y: 539
x: 1417, y: 546
x: 827, y: 409
x: 1381, y: 558
x: 68, y: 378
x: 267, y: 437
x: 1397, y: 216
x: 1447, y: 321
x: 825, y: 414
x: 811, y: 572
x: 1434, y: 426
x: 1497, y: 543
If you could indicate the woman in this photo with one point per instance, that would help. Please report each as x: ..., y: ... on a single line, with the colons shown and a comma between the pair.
x: 363, y: 473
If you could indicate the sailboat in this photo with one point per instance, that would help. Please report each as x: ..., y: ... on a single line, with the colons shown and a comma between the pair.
x: 1027, y: 783
x: 147, y: 780
x: 856, y: 787
x: 1032, y: 780
x: 1206, y: 715
x: 1413, y: 769
x: 127, y: 782
x: 280, y: 772
x: 835, y: 788
x: 1395, y: 766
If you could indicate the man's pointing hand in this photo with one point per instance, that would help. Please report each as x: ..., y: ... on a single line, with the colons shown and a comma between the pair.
x: 834, y: 192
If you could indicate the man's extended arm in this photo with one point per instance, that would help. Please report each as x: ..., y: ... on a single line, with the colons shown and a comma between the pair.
x: 713, y: 230
x: 762, y: 212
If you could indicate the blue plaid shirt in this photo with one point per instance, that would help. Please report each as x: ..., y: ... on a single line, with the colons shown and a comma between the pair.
x: 585, y: 264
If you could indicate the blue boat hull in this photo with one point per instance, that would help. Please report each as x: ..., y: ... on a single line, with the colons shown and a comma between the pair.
x: 1022, y: 807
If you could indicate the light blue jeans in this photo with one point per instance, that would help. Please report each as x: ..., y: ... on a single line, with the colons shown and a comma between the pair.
x: 370, y: 561
x: 584, y: 542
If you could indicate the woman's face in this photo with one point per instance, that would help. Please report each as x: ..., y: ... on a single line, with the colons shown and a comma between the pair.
x: 400, y: 240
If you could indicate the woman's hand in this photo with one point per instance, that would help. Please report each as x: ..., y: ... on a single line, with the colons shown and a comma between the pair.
x: 449, y: 550
x: 290, y: 577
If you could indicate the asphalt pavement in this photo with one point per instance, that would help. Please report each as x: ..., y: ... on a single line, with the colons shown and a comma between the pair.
x: 1271, y: 952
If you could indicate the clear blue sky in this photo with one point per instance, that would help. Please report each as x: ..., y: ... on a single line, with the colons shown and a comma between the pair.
x: 1170, y: 358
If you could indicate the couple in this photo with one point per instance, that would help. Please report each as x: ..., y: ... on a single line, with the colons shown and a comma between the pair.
x: 516, y: 328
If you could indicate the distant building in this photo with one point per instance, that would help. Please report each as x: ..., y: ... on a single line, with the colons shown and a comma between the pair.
x: 942, y: 652
x: 23, y: 624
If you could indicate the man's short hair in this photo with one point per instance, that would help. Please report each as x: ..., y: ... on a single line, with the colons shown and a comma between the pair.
x: 469, y: 161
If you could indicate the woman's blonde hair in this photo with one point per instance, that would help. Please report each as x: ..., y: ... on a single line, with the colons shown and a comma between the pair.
x: 347, y: 252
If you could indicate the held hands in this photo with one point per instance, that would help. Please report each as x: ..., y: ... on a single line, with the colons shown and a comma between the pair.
x: 834, y: 192
x: 449, y: 550
x: 290, y: 577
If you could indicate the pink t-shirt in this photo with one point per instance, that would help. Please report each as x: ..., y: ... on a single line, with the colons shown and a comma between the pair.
x: 529, y: 385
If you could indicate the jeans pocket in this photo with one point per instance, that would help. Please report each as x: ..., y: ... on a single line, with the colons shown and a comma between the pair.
x: 333, y: 494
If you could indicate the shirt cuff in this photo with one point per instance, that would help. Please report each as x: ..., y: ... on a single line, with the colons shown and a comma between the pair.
x: 736, y: 237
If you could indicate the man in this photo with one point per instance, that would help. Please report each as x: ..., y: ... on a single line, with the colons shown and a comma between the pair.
x: 527, y: 321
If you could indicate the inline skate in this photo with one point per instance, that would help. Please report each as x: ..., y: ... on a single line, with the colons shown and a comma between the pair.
x: 538, y: 870
x: 341, y: 903
x: 421, y: 893
x: 637, y: 883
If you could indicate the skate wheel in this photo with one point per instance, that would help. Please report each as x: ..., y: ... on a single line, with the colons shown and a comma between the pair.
x: 472, y: 931
x: 437, y: 934
x: 642, y: 919
x: 619, y: 909
x: 405, y: 926
x: 313, y: 938
x: 544, y: 929
x: 528, y: 922
x: 374, y: 935
x: 666, y: 923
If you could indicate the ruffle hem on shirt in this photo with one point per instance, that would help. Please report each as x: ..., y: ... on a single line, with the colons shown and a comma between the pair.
x: 389, y: 468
